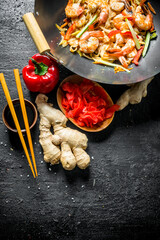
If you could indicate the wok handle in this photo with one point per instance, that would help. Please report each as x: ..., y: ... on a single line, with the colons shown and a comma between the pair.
x: 36, y: 33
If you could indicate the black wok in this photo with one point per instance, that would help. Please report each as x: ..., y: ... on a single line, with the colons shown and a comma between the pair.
x: 50, y: 12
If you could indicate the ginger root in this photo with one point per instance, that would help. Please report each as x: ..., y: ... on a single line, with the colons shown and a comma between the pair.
x: 134, y: 94
x: 65, y: 145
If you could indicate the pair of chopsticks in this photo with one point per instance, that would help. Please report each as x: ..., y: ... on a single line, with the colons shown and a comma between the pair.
x: 25, y: 118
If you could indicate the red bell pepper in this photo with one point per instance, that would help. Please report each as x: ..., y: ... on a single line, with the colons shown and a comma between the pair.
x: 70, y: 30
x: 113, y: 32
x: 138, y: 55
x: 125, y: 34
x: 41, y: 74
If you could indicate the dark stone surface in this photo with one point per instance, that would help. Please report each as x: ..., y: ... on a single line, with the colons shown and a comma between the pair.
x: 117, y: 197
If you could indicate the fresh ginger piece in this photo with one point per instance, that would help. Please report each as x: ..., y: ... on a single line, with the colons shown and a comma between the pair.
x: 82, y: 157
x: 73, y: 143
x: 73, y: 137
x: 67, y: 158
x: 134, y: 94
x: 51, y: 152
x: 54, y: 116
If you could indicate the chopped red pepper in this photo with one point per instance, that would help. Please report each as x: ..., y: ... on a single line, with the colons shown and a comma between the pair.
x: 125, y: 34
x: 70, y: 30
x: 86, y: 104
x: 114, y: 32
x: 130, y: 18
x: 138, y: 55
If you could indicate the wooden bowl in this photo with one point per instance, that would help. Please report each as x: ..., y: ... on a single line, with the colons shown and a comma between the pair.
x: 31, y: 113
x: 77, y: 79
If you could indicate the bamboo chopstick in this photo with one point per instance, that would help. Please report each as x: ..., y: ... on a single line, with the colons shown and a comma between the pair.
x: 10, y: 104
x: 25, y: 118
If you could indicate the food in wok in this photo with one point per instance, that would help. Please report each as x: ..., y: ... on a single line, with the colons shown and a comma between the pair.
x: 110, y: 32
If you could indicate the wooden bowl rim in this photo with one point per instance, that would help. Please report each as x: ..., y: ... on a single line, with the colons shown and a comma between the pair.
x: 14, y: 101
x: 77, y: 79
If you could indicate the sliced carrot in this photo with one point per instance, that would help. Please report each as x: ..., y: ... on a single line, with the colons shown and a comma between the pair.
x: 151, y: 8
x: 138, y: 55
x: 70, y: 30
x: 65, y: 20
x: 64, y: 24
x: 142, y: 2
x: 62, y: 34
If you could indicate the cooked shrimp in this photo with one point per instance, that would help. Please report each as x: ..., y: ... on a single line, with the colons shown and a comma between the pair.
x: 143, y: 22
x: 120, y: 23
x: 89, y: 41
x: 92, y: 5
x: 126, y: 49
x: 104, y: 54
x: 103, y: 51
x: 132, y: 54
x: 102, y: 5
x: 73, y: 10
x: 106, y: 34
x: 127, y: 5
x: 112, y: 14
x: 80, y: 21
x: 89, y: 45
x: 89, y: 34
x: 116, y: 5
x: 103, y: 14
x: 119, y: 39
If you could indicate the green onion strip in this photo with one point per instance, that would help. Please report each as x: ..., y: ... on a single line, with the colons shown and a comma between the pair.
x: 147, y: 42
x: 133, y: 34
x: 101, y: 61
x: 86, y: 27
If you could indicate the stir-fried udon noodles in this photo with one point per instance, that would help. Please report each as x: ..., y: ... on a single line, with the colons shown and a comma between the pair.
x: 110, y: 32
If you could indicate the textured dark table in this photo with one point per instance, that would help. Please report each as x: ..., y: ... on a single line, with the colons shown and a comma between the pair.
x: 117, y: 197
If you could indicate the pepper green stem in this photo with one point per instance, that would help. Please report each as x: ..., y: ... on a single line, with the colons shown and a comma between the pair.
x: 40, y: 68
x: 36, y: 63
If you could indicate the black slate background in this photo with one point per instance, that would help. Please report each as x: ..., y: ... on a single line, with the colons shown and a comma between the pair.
x: 117, y: 197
